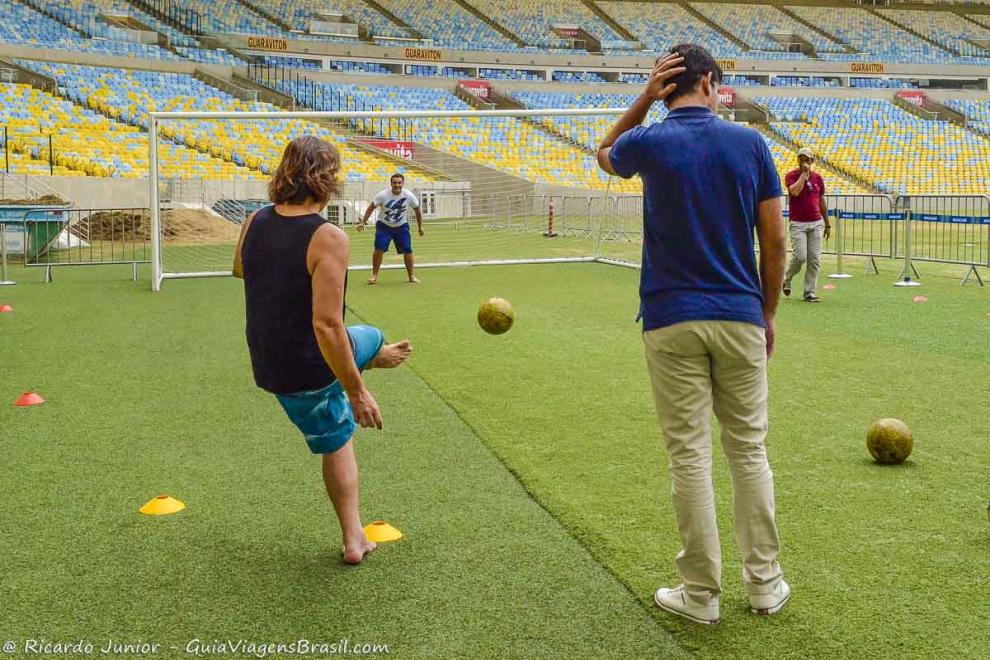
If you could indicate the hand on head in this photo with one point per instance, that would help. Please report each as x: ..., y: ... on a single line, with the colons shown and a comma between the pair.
x: 659, y: 87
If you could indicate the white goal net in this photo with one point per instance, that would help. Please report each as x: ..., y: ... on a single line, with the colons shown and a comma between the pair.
x: 495, y: 187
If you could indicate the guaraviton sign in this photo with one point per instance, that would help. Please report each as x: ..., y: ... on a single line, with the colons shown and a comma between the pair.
x: 430, y: 54
x: 268, y: 43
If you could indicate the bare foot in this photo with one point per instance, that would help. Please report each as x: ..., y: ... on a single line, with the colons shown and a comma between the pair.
x: 354, y: 554
x: 414, y: 280
x: 391, y: 355
x: 373, y: 279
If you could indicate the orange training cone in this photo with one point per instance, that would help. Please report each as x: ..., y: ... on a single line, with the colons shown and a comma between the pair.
x: 380, y: 531
x: 5, y: 308
x: 162, y: 506
x: 29, y: 399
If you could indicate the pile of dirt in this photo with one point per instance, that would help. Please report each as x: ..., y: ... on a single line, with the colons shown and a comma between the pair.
x: 44, y: 200
x: 197, y: 226
x: 178, y: 225
x: 118, y: 225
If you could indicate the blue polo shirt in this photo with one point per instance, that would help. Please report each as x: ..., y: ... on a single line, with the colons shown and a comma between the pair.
x: 703, y: 179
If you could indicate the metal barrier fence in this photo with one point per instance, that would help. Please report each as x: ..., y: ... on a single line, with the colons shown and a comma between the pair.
x: 946, y: 229
x: 912, y: 228
x: 87, y: 237
x: 865, y: 226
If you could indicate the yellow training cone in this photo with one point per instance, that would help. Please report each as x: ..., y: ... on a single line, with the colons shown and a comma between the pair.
x: 380, y: 531
x: 162, y: 506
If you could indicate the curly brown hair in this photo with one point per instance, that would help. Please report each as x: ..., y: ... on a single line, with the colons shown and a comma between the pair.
x: 308, y: 171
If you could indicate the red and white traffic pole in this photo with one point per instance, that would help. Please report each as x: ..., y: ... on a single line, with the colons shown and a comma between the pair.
x: 550, y: 233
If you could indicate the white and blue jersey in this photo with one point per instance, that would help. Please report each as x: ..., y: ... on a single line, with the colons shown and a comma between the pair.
x: 393, y: 209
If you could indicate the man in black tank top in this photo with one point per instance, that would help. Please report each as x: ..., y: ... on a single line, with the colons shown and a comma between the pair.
x: 294, y: 267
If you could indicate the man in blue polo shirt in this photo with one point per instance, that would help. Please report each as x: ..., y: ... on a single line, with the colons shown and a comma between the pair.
x: 708, y: 317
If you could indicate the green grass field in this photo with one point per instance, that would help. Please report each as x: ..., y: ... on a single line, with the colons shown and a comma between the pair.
x: 526, y: 471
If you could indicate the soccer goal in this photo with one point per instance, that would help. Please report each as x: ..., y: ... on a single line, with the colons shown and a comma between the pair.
x: 514, y: 186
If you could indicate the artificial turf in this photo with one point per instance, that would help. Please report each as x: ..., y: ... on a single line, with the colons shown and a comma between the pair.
x: 883, y: 560
x: 152, y: 393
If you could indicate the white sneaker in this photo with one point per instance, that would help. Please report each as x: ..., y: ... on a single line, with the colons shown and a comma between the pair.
x: 771, y: 603
x: 676, y: 601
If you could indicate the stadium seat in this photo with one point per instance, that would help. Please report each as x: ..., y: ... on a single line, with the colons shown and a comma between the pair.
x: 24, y: 26
x: 532, y: 21
x: 871, y: 36
x: 256, y: 145
x: 449, y: 25
x: 876, y: 141
x: 84, y: 142
x: 753, y: 23
x: 299, y: 13
x: 945, y: 28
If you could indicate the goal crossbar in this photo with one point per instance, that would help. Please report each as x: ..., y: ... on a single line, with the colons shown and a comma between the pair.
x: 387, y: 114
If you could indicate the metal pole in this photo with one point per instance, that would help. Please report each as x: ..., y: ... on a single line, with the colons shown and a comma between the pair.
x: 3, y: 257
x: 156, y: 227
x: 840, y: 274
x: 908, y: 266
x: 51, y: 156
x: 6, y: 149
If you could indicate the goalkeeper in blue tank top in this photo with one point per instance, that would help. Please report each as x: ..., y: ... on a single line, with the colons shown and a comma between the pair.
x: 294, y: 267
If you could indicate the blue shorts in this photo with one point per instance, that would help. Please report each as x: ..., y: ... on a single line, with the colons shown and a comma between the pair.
x: 401, y: 235
x: 324, y: 416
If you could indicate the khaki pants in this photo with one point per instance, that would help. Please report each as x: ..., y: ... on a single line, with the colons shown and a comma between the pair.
x: 695, y: 368
x: 806, y: 250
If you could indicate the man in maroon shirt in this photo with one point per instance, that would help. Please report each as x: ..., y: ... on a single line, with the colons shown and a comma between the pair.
x: 809, y: 222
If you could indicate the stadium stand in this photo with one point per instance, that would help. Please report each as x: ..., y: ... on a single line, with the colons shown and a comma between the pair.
x: 977, y: 113
x: 870, y: 34
x: 515, y: 146
x: 802, y: 81
x: 87, y: 143
x: 533, y: 21
x: 299, y: 13
x: 753, y: 23
x: 508, y: 74
x: 881, y: 83
x: 661, y: 25
x: 346, y: 66
x: 86, y: 17
x: 291, y: 62
x: 97, y: 119
x: 454, y: 72
x: 633, y: 78
x: 23, y: 25
x: 449, y: 25
x: 577, y: 77
x: 735, y: 80
x: 588, y: 131
x: 214, y: 56
x: 876, y: 141
x: 421, y: 70
x: 943, y: 27
x: 230, y: 17
x: 128, y: 95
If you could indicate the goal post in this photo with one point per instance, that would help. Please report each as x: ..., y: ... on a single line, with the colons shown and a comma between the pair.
x: 518, y: 186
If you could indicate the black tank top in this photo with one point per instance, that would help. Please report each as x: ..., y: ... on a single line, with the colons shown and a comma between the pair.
x: 278, y: 294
